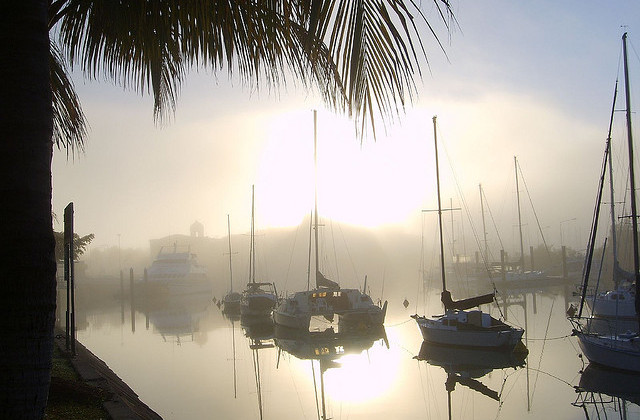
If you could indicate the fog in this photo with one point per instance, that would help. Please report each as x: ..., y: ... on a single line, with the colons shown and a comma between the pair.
x: 528, y: 80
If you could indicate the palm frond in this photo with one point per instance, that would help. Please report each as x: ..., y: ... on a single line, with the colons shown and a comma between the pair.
x: 360, y: 55
x: 69, y: 122
x: 377, y: 46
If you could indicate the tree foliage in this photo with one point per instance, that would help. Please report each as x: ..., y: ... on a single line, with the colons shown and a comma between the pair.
x: 80, y: 244
x: 362, y: 56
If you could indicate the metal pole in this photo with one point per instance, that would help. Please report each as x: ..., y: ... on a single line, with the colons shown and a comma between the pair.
x: 69, y: 257
x: 315, y: 206
x: 435, y: 141
x: 634, y: 213
x: 515, y: 160
x: 133, y: 306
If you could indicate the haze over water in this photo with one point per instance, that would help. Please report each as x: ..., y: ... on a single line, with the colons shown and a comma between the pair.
x: 179, y: 357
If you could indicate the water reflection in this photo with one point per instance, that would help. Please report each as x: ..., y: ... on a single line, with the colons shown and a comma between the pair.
x: 465, y: 366
x: 259, y: 330
x: 186, y: 359
x: 607, y: 393
x: 174, y: 318
x: 326, y: 347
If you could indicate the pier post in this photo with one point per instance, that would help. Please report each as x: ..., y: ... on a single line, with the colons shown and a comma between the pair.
x: 133, y: 306
x: 533, y: 266
x: 121, y: 297
x: 70, y: 329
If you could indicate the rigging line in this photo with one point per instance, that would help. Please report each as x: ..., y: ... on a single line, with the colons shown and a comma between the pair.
x: 543, y: 345
x: 509, y: 390
x: 256, y: 368
x: 335, y: 253
x: 398, y: 324
x: 535, y: 214
x: 346, y: 247
x: 315, y: 388
x: 633, y: 48
x: 552, y: 376
x: 421, y: 266
x: 295, y: 386
x: 473, y: 228
x: 423, y: 393
x: 293, y: 247
x: 495, y: 226
x: 550, y: 339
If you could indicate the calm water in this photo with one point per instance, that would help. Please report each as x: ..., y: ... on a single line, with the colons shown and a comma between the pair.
x: 188, y: 361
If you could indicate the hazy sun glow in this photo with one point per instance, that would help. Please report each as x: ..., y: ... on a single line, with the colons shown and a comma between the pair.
x: 355, y: 381
x: 367, y: 185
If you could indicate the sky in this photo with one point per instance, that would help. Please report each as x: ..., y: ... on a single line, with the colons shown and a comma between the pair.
x: 528, y: 79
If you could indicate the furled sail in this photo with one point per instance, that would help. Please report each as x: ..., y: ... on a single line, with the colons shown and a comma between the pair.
x: 322, y: 281
x: 463, y: 304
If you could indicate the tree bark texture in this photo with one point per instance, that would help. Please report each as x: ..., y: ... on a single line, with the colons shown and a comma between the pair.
x: 28, y: 294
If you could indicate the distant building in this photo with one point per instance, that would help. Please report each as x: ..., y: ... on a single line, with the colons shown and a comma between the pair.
x: 197, y: 230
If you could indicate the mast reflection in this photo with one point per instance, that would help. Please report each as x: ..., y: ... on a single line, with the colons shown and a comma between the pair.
x: 608, y: 393
x: 326, y: 347
x: 465, y: 366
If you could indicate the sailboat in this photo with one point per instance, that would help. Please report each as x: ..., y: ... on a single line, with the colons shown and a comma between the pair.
x: 459, y: 326
x: 614, y: 350
x: 258, y: 299
x: 521, y: 273
x: 231, y: 301
x: 328, y: 298
x: 620, y: 302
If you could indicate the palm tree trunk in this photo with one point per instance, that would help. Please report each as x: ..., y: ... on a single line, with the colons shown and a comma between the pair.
x: 27, y: 297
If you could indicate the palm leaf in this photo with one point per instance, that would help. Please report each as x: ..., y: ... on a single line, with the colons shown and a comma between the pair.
x: 69, y: 122
x: 360, y: 55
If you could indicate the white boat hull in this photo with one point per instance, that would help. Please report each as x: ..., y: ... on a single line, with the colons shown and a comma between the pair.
x: 620, y: 353
x: 350, y: 306
x: 434, y: 331
x: 297, y: 321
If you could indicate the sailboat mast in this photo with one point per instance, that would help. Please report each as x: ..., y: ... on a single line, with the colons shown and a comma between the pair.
x: 315, y: 168
x: 252, y: 256
x: 230, y: 266
x: 634, y: 220
x: 515, y: 161
x: 484, y: 228
x: 309, y: 257
x: 435, y: 141
x: 614, y: 240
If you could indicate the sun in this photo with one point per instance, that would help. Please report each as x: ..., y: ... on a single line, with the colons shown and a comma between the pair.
x: 369, y: 184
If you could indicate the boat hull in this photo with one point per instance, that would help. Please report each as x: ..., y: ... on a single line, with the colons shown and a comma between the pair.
x: 257, y: 305
x: 487, y: 338
x: 621, y: 353
x: 297, y: 321
x: 364, y: 318
x: 352, y: 308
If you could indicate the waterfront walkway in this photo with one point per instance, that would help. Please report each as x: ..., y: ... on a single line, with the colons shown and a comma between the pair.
x: 123, y: 403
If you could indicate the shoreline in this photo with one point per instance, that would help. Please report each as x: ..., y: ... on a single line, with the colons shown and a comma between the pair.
x: 122, y: 402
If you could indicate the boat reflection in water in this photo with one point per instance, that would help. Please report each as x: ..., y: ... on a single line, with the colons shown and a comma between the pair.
x: 608, y: 393
x: 175, y: 318
x: 465, y: 366
x: 259, y: 330
x: 326, y: 347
